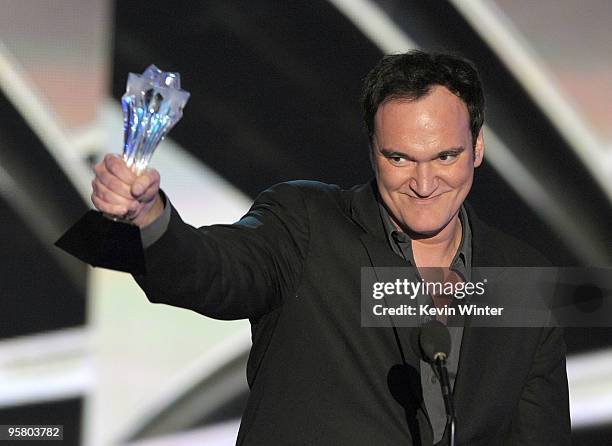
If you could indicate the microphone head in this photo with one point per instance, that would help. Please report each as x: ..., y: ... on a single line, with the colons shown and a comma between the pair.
x: 434, y: 341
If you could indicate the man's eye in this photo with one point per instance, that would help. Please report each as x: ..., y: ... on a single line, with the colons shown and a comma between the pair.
x: 396, y: 159
x: 447, y: 157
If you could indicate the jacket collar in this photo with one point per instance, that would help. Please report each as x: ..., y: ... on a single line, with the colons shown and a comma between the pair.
x: 366, y: 214
x: 363, y: 208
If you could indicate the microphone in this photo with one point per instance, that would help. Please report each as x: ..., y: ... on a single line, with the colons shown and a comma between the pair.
x: 434, y: 341
x: 435, y: 346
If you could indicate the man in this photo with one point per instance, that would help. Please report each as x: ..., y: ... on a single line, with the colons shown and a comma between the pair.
x: 292, y: 266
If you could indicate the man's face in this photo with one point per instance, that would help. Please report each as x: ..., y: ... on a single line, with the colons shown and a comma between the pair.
x: 423, y: 157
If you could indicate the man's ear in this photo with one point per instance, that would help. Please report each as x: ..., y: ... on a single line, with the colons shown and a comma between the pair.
x: 479, y: 149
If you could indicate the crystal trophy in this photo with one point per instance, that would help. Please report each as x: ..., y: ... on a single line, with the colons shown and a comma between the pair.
x: 152, y: 104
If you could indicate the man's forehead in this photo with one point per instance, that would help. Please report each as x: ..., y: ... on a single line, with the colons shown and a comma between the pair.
x: 442, y: 116
x: 437, y: 96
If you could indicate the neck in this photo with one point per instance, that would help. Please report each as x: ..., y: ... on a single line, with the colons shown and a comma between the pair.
x: 438, y: 250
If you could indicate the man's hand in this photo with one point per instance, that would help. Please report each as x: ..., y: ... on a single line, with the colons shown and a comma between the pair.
x: 118, y: 191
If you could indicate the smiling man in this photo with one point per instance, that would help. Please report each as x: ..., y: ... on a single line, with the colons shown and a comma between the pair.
x: 292, y: 266
x: 424, y: 157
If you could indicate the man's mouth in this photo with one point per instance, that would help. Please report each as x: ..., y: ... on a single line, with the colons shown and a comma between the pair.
x: 425, y: 201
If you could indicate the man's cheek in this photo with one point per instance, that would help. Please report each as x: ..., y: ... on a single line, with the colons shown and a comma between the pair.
x: 457, y: 178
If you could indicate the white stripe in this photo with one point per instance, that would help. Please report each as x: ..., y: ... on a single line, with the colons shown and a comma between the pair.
x: 374, y: 23
x: 540, y: 201
x: 46, y: 366
x: 40, y: 119
x: 590, y: 383
x: 218, y: 434
x: 211, y: 361
x: 524, y: 64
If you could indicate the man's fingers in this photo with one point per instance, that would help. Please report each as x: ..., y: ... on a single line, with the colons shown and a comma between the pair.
x: 108, y: 208
x: 150, y: 194
x: 111, y: 197
x: 145, y: 187
x: 119, y: 191
x: 112, y: 182
x: 115, y: 165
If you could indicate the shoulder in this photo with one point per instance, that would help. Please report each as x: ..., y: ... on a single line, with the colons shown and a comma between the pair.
x: 493, y: 247
x: 303, y: 187
x: 310, y: 193
x: 316, y: 203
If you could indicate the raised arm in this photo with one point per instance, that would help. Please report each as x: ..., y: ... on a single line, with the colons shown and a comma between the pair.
x: 233, y: 271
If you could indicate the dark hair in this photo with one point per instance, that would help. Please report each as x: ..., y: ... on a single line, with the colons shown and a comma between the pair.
x: 411, y: 75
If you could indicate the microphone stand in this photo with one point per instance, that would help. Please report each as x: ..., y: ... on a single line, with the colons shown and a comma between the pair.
x: 447, y: 395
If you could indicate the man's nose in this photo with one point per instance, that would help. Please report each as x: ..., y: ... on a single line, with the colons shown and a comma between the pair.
x: 424, y: 182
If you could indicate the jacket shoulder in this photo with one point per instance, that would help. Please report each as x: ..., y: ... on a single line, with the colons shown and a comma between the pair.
x: 309, y: 187
x: 493, y: 247
x: 313, y: 193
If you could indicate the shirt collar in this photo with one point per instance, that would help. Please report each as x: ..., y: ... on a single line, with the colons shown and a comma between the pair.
x: 401, y: 244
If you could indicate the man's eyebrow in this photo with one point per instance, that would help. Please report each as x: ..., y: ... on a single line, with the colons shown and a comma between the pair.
x: 389, y: 153
x: 447, y: 152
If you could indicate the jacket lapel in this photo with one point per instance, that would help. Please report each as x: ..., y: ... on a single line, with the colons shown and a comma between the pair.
x: 365, y: 213
x: 479, y: 346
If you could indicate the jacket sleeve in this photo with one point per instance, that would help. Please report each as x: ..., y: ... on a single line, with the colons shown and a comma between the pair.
x: 542, y: 417
x: 235, y: 271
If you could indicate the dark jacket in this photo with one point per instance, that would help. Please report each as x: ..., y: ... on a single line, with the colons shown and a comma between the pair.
x: 292, y: 266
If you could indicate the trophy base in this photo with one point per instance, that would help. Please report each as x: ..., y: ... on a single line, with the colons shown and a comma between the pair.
x: 100, y: 241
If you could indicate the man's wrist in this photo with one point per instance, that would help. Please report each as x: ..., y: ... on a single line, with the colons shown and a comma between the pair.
x: 153, y: 231
x: 152, y: 214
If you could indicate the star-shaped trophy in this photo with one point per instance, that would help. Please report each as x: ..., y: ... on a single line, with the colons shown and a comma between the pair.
x: 152, y: 104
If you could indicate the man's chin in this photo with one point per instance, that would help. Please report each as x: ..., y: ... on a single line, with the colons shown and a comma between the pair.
x: 422, y: 231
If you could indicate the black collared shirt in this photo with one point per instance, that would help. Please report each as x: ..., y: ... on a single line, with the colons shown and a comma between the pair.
x: 401, y: 244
